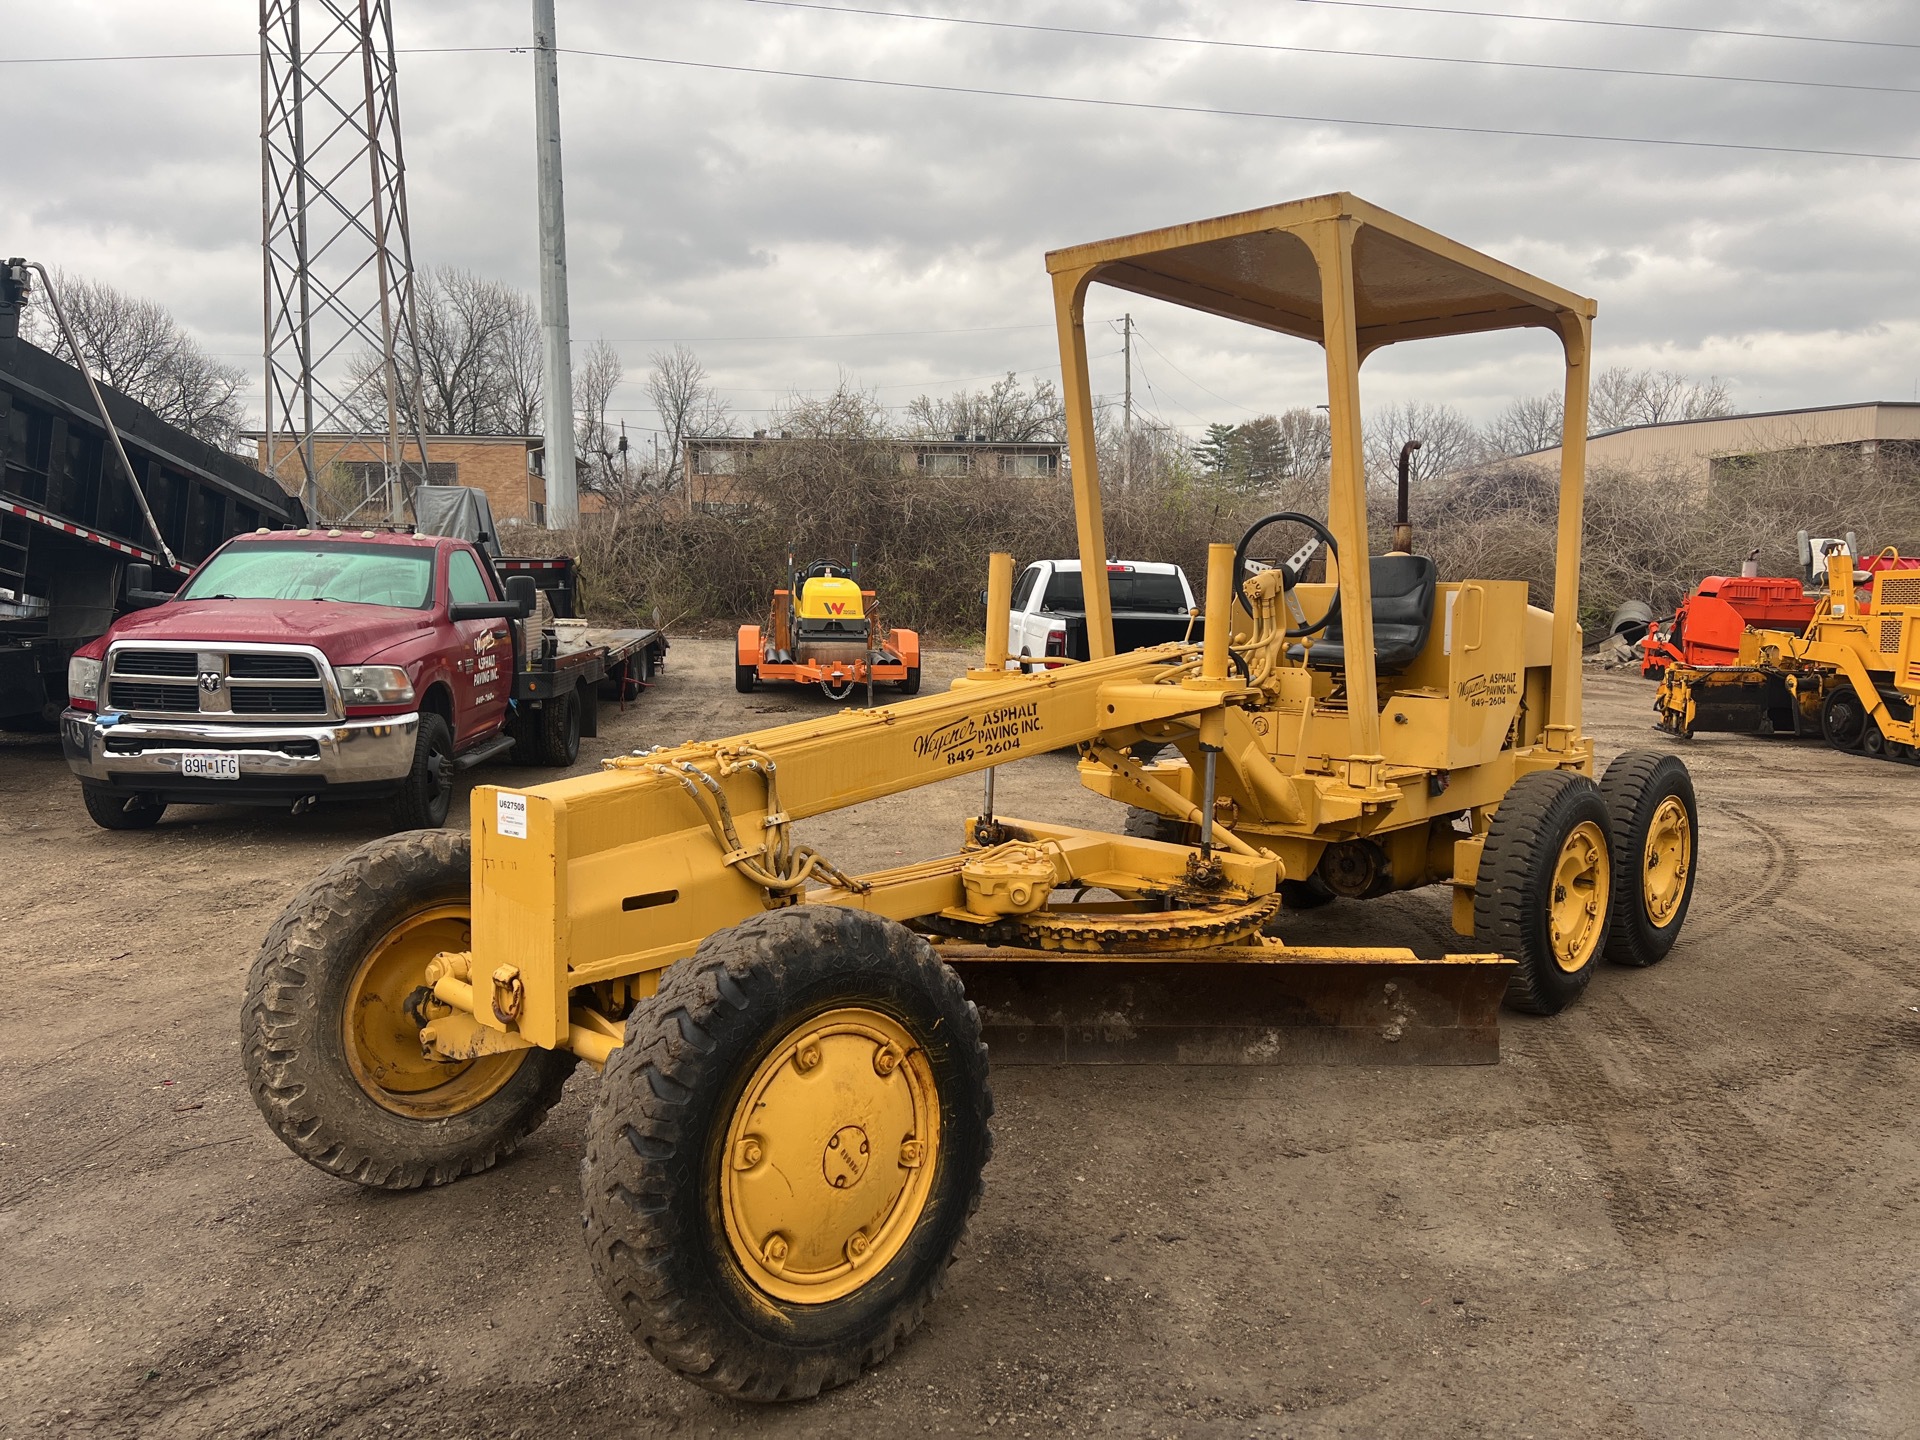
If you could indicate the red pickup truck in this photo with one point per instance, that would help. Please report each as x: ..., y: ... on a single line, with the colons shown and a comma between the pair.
x: 301, y: 665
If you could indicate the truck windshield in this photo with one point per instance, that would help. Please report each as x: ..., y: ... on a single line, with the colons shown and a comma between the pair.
x: 299, y: 570
x: 1126, y: 590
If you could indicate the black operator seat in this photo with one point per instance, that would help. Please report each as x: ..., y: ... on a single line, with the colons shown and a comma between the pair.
x: 1404, y: 587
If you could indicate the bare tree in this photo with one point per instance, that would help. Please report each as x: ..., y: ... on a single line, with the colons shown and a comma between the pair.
x: 1528, y: 424
x: 688, y: 405
x: 598, y: 443
x: 1448, y: 440
x: 1007, y: 411
x: 1648, y: 397
x: 138, y: 348
x: 478, y: 360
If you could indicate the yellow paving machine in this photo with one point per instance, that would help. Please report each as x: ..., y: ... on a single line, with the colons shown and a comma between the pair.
x: 1853, y: 677
x: 792, y: 1116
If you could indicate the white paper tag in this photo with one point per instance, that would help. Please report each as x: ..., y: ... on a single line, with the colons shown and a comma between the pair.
x: 510, y: 815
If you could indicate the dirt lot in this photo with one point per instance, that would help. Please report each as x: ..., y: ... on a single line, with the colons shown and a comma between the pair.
x: 1688, y: 1206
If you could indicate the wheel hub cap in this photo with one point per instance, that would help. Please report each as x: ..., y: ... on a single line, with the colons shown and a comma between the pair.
x: 830, y: 1156
x: 1668, y: 861
x: 382, y: 1023
x: 1577, y: 913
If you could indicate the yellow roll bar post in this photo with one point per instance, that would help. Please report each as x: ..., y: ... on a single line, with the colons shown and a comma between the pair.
x: 1332, y: 247
x: 999, y: 626
x: 1563, y: 705
x: 1069, y: 307
x: 999, y: 609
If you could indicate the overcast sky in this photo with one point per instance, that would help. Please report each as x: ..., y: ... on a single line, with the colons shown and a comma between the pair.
x: 725, y: 206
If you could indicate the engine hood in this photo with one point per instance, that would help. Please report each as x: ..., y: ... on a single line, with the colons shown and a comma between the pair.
x: 345, y: 634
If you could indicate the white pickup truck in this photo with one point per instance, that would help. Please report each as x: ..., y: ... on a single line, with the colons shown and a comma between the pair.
x: 1152, y: 604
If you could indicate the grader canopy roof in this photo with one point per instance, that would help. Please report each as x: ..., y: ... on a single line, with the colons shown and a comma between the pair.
x: 1408, y: 281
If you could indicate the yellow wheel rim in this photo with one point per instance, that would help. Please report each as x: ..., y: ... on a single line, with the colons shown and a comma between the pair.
x: 830, y: 1156
x: 383, y: 1038
x: 1577, y: 911
x: 1667, y: 862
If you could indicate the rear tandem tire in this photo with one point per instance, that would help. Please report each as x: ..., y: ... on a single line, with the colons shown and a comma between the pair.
x: 331, y: 1052
x: 1655, y: 829
x: 715, y: 1179
x: 559, y: 730
x: 112, y: 809
x: 1542, y: 895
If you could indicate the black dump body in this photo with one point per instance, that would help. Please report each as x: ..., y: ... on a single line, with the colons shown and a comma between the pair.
x: 69, y: 524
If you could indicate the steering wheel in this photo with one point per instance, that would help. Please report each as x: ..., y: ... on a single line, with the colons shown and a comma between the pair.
x: 1290, y: 569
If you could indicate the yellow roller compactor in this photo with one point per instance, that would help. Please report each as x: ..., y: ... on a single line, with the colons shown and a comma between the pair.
x: 792, y: 1118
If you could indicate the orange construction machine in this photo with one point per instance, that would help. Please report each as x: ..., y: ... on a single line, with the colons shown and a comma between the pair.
x: 824, y: 631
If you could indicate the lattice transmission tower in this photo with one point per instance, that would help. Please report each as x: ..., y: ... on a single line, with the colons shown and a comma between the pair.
x: 342, y: 390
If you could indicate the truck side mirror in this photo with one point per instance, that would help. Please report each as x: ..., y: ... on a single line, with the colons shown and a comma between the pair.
x: 139, y: 593
x: 522, y: 590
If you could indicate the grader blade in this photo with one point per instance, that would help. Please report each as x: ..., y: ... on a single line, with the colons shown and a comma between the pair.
x: 1239, y: 1005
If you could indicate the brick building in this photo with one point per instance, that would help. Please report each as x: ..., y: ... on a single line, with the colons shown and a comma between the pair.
x: 353, y: 472
x: 711, y: 467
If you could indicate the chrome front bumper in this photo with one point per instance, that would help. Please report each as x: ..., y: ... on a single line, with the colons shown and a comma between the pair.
x: 145, y: 754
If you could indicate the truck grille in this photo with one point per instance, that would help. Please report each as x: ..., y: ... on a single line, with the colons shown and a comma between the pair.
x: 145, y: 695
x: 262, y: 683
x: 154, y: 662
x: 279, y: 700
x: 261, y: 665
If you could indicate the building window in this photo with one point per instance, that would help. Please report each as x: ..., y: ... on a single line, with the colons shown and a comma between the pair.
x: 715, y: 462
x: 369, y: 477
x: 1028, y: 467
x: 945, y: 463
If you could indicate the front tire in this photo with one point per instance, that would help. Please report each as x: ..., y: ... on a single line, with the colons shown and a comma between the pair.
x: 765, y: 1236
x: 1544, y: 886
x: 426, y: 795
x: 112, y: 809
x: 329, y: 1038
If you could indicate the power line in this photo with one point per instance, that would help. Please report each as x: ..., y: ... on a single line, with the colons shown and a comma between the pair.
x: 1614, y: 24
x: 1429, y: 127
x: 1254, y: 45
x: 822, y: 335
x: 1250, y: 409
x: 1169, y: 108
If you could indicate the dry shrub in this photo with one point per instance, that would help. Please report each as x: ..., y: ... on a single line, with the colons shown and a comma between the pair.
x: 923, y: 541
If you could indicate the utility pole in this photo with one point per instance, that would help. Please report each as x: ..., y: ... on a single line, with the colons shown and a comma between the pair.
x: 563, y: 505
x: 1126, y: 427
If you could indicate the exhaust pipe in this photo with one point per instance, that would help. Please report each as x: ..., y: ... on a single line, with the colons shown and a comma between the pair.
x: 1402, y: 526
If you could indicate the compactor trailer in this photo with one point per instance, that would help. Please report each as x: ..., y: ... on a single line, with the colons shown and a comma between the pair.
x: 792, y: 1119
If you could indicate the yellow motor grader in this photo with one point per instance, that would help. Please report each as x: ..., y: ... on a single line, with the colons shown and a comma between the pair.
x: 792, y: 1117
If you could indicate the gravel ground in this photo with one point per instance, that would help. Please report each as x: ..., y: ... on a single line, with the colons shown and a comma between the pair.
x: 1685, y: 1207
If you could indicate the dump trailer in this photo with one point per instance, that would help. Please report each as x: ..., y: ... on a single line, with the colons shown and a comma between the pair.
x: 1852, y: 677
x: 792, y: 1117
x: 91, y: 484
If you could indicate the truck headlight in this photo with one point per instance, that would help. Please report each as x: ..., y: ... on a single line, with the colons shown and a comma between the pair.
x: 83, y: 679
x: 373, y: 684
